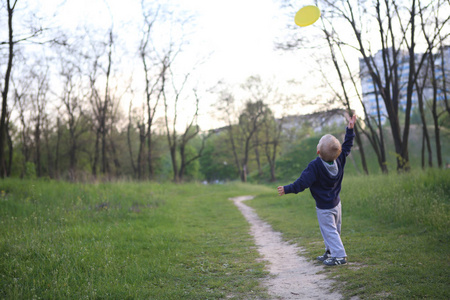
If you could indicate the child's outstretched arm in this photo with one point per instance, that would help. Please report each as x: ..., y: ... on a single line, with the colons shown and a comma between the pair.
x: 306, y: 179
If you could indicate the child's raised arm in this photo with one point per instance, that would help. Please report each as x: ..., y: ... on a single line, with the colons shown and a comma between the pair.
x: 351, y: 122
x: 349, y: 136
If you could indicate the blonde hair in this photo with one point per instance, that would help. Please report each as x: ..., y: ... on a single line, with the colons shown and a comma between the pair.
x: 329, y: 148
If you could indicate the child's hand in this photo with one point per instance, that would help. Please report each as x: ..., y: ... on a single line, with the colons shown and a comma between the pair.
x: 351, y: 122
x: 281, y: 190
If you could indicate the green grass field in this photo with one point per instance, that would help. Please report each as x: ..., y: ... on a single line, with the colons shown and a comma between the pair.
x: 125, y: 241
x: 395, y: 230
x: 163, y: 241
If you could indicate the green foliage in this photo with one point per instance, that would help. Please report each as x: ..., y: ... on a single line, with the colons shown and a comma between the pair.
x: 193, y: 169
x: 30, y: 170
x: 291, y: 164
x: 216, y: 163
x: 395, y: 230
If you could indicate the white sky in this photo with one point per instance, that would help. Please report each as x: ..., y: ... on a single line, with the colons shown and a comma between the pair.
x: 239, y: 34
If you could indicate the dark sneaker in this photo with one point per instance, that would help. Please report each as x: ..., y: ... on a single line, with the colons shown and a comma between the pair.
x: 334, y: 261
x: 324, y: 256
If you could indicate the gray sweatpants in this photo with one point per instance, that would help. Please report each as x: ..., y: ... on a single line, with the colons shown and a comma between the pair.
x: 330, y: 226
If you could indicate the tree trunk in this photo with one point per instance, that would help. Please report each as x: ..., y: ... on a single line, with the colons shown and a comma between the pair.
x: 37, y: 139
x: 11, y: 151
x: 3, y: 127
x: 244, y: 173
x: 361, y: 150
x: 96, y: 153
x: 50, y: 167
x: 409, y: 88
x: 130, y: 148
x: 383, y: 162
x: 426, y: 137
x: 151, y: 171
x: 234, y: 150
x: 271, y: 159
x: 105, y: 166
x: 58, y: 142
x: 115, y: 158
x: 72, y: 150
x: 182, y: 169
x: 173, y: 156
x: 444, y: 77
x: 434, y: 111
x: 140, y: 159
x: 257, y: 158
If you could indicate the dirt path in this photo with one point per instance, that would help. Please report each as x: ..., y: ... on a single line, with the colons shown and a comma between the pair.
x: 292, y: 276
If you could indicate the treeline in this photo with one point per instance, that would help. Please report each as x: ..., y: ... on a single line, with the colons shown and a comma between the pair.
x: 63, y: 116
x: 63, y: 96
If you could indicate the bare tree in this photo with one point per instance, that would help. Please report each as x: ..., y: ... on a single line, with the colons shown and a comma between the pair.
x: 250, y: 122
x: 444, y: 72
x: 57, y: 146
x: 154, y: 84
x: 47, y: 132
x: 101, y: 103
x: 136, y: 120
x: 10, y: 8
x: 241, y: 128
x: 114, y: 117
x: 421, y: 83
x: 268, y: 135
x: 11, y: 42
x: 272, y: 132
x: 192, y: 130
x: 129, y: 143
x: 72, y: 101
x: 345, y: 100
x: 171, y: 127
x: 9, y: 141
x: 258, y: 91
x: 39, y: 102
x: 433, y: 40
x: 20, y: 90
x: 387, y: 80
x: 397, y: 30
x: 226, y: 106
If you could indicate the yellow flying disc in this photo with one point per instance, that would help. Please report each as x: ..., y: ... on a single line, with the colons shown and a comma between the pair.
x: 307, y: 15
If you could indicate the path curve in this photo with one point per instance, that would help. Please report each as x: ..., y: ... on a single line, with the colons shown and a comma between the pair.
x: 293, y: 276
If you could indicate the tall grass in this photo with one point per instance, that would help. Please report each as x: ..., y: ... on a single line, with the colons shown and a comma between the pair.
x: 124, y: 240
x: 162, y: 241
x: 421, y: 198
x: 395, y: 230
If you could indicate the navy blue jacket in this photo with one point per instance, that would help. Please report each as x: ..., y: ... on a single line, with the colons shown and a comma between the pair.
x: 324, y: 187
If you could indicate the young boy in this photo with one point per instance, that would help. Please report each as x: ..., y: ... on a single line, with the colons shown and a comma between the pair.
x: 323, y: 177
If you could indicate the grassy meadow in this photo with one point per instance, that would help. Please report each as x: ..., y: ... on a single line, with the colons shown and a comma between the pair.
x: 395, y: 231
x: 162, y: 241
x: 125, y: 241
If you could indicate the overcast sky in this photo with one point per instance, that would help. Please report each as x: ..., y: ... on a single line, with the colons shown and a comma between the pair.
x: 237, y: 36
x: 240, y: 34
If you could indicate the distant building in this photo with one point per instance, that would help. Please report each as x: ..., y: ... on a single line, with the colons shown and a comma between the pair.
x: 371, y: 95
x: 317, y: 120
